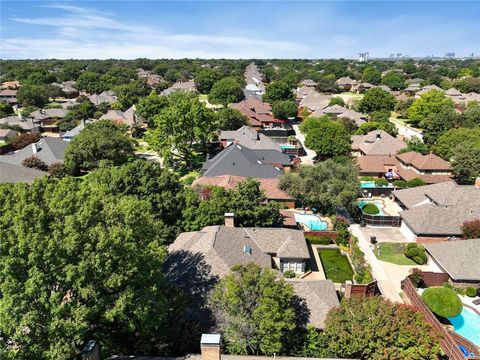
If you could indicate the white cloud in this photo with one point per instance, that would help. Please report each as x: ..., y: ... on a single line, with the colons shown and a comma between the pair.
x: 87, y: 33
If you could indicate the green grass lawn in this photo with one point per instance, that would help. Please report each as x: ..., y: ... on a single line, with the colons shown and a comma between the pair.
x: 336, y: 265
x: 393, y: 253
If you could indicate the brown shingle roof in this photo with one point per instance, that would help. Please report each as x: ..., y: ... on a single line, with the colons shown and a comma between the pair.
x: 424, y: 162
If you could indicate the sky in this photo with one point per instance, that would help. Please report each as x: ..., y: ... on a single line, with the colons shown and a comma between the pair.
x: 236, y: 29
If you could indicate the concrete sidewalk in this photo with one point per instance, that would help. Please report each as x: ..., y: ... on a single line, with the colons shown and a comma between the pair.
x: 385, y: 284
x: 307, y: 160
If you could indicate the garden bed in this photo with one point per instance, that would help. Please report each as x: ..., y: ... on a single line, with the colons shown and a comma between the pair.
x: 336, y: 265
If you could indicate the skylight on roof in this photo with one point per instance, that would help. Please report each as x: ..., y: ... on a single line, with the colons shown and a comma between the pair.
x: 247, y: 249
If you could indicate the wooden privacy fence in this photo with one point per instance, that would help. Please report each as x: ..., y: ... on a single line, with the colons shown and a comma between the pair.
x: 450, y: 340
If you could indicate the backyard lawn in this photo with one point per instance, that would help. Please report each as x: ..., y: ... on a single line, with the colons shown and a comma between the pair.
x: 393, y: 253
x: 336, y: 265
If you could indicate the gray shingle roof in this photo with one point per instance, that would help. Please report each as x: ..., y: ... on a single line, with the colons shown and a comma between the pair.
x: 439, y: 209
x: 320, y: 297
x: 25, y: 124
x: 48, y: 113
x: 250, y: 138
x: 459, y: 258
x: 13, y: 173
x: 49, y: 150
x: 377, y: 142
x: 241, y: 161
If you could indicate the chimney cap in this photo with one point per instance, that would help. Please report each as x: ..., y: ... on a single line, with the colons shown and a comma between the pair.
x: 229, y: 214
x: 210, y: 339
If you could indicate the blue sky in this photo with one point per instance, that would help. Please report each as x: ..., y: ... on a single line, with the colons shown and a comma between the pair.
x: 236, y: 29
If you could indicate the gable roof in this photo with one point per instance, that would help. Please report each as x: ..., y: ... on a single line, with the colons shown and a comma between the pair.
x: 377, y: 142
x: 453, y: 92
x: 49, y: 150
x: 424, y: 162
x: 458, y: 258
x: 250, y: 138
x: 25, y: 124
x: 439, y: 209
x: 106, y: 96
x: 345, y: 80
x: 334, y: 109
x: 315, y: 101
x: 126, y: 117
x: 241, y: 161
x: 13, y: 173
x: 356, y: 116
x: 48, y: 113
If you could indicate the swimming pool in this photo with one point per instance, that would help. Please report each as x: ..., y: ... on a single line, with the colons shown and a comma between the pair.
x: 367, y: 184
x: 378, y: 204
x: 312, y: 221
x: 467, y: 324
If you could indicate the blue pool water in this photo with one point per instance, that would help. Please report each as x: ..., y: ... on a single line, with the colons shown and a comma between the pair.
x: 467, y: 324
x: 367, y: 184
x: 312, y: 221
x: 377, y: 203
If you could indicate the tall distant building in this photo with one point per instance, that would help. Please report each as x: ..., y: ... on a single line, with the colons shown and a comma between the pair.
x: 450, y: 55
x: 363, y: 57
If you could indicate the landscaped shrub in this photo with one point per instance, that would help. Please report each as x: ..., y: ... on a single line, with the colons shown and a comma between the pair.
x: 442, y: 301
x: 318, y: 240
x: 367, y: 178
x: 339, y: 222
x: 343, y: 237
x: 23, y: 140
x: 471, y: 229
x: 416, y: 253
x: 415, y: 182
x: 471, y: 291
x: 417, y: 278
x: 289, y: 274
x: 57, y: 170
x: 458, y: 290
x: 34, y: 163
x: 381, y: 182
x: 370, y: 209
x: 400, y: 184
x: 363, y: 272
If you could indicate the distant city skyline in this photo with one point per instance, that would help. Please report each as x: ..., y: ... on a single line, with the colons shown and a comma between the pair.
x: 237, y: 29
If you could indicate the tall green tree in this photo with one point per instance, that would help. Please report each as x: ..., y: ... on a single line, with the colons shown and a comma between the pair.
x: 150, y: 106
x: 254, y: 311
x: 76, y: 266
x: 461, y: 137
x: 91, y: 82
x: 182, y: 129
x: 395, y: 80
x: 330, y: 139
x: 204, y: 79
x: 435, y: 124
x: 231, y: 119
x: 376, y: 99
x: 430, y: 103
x: 284, y: 109
x: 226, y: 91
x: 325, y: 186
x: 278, y: 91
x: 466, y: 164
x: 100, y: 140
x: 372, y: 75
x: 368, y: 126
x: 129, y: 94
x: 416, y: 144
x: 374, y: 328
x: 32, y: 95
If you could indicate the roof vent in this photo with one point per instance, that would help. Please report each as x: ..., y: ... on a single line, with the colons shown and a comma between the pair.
x: 258, y: 161
x: 239, y: 147
x: 247, y: 249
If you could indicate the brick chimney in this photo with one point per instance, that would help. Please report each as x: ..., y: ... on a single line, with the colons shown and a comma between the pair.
x: 477, y: 183
x: 229, y: 220
x: 210, y: 347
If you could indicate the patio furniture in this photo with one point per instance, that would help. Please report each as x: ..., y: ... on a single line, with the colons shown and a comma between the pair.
x: 476, y: 302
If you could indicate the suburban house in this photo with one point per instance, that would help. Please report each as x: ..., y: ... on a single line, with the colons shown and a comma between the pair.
x: 315, y: 101
x: 345, y: 83
x: 239, y: 160
x: 104, y: 97
x: 258, y: 113
x: 458, y: 259
x: 50, y: 150
x: 70, y: 134
x: 407, y: 166
x: 356, y: 116
x: 26, y: 124
x: 48, y: 118
x: 376, y: 142
x: 9, y: 96
x: 269, y: 186
x: 303, y: 92
x: 436, y: 212
x: 121, y: 117
x: 333, y: 110
x: 14, y: 173
x: 10, y: 84
x: 308, y: 82
x: 182, y: 86
x: 248, y: 137
x: 68, y: 89
x: 6, y: 134
x: 287, y: 140
x: 428, y: 88
x: 216, y: 249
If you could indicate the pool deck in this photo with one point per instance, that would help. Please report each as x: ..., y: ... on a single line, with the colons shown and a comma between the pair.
x: 315, y: 265
x: 309, y: 212
x: 390, y: 207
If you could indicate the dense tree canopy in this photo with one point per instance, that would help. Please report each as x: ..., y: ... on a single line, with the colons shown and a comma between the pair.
x: 76, y: 266
x: 430, y: 103
x: 32, y: 95
x: 254, y: 311
x: 461, y: 137
x: 129, y: 94
x: 368, y: 126
x: 416, y: 144
x: 231, y: 119
x: 328, y: 140
x: 226, y: 91
x: 278, y: 91
x: 466, y: 163
x: 395, y: 80
x: 102, y: 140
x: 372, y: 75
x: 182, y: 129
x: 5, y: 109
x: 435, y: 124
x: 376, y: 99
x: 373, y: 328
x: 150, y: 106
x: 204, y: 79
x: 284, y: 109
x: 326, y: 186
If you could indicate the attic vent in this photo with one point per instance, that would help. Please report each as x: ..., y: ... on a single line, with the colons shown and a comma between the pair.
x: 258, y: 161
x: 239, y: 147
x: 247, y: 249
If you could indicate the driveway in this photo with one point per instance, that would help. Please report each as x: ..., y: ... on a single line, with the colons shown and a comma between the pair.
x: 405, y: 130
x: 308, y: 159
x: 385, y: 281
x: 384, y: 234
